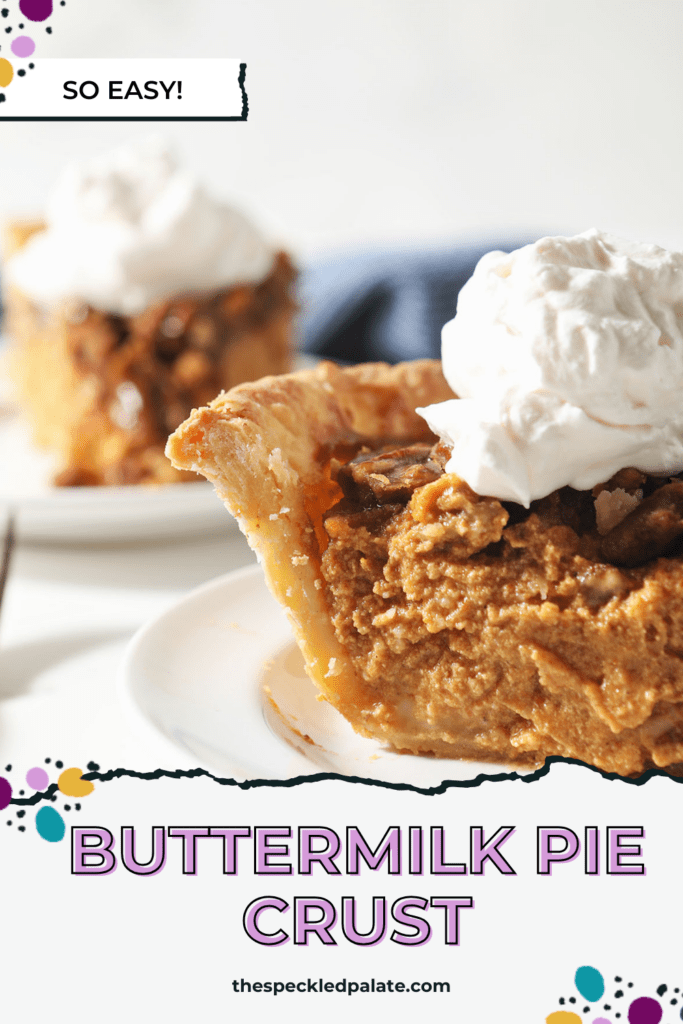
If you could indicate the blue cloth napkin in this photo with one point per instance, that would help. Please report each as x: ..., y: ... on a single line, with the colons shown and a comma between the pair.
x: 387, y: 305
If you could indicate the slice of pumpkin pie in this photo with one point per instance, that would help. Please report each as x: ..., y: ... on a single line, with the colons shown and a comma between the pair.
x: 510, y: 586
x: 434, y: 619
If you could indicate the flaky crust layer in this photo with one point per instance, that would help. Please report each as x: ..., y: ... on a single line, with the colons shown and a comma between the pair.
x: 265, y: 446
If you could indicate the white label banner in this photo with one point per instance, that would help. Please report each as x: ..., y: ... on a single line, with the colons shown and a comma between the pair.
x: 509, y: 902
x: 127, y: 89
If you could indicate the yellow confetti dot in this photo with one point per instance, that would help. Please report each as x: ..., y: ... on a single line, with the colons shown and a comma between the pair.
x: 563, y: 1017
x: 71, y: 784
x: 6, y: 72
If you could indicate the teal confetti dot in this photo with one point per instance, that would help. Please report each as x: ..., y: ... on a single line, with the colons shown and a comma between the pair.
x: 590, y: 983
x: 50, y: 824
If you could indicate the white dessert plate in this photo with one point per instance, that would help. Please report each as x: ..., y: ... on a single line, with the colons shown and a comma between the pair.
x: 220, y: 678
x: 95, y: 514
x: 87, y: 515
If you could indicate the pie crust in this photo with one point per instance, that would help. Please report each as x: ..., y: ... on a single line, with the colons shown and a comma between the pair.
x: 266, y: 447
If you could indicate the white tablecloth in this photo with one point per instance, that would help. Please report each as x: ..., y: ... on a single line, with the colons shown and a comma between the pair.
x: 67, y: 616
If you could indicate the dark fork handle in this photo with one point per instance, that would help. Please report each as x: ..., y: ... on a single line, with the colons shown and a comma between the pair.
x: 7, y: 549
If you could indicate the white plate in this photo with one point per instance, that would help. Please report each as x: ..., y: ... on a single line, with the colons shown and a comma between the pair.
x: 95, y: 514
x: 219, y: 676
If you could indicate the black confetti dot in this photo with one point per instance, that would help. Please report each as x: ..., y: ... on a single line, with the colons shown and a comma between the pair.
x: 9, y: 822
x: 48, y: 30
x: 617, y: 979
x: 677, y: 990
x: 617, y: 1015
x: 21, y: 792
x: 8, y: 29
x: 20, y: 814
x: 607, y: 1006
x: 47, y: 760
x: 67, y: 807
x: 618, y: 994
x: 93, y: 767
x: 5, y: 12
x: 77, y: 807
x: 571, y: 999
x: 31, y: 66
x: 2, y: 97
x: 21, y: 26
x: 8, y: 767
x: 22, y: 828
x: 630, y: 985
x: 561, y: 1000
x: 586, y: 1009
x: 59, y: 764
x: 661, y: 990
x: 53, y: 798
x: 673, y: 1002
x: 21, y: 72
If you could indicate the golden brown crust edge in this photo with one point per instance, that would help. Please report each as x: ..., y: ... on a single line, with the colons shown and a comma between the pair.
x: 260, y: 445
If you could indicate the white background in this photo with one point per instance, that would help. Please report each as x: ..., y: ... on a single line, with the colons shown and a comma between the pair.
x: 392, y: 119
x: 371, y: 122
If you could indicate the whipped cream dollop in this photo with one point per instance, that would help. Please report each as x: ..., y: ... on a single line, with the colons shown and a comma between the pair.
x: 567, y: 357
x: 129, y: 228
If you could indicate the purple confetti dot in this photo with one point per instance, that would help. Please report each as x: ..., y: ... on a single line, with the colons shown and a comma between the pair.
x: 37, y: 778
x: 601, y: 1020
x: 36, y: 10
x: 5, y: 793
x: 23, y: 46
x: 645, y: 1011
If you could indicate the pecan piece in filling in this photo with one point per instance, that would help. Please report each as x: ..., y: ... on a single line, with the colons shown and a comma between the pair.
x: 649, y: 530
x: 388, y: 476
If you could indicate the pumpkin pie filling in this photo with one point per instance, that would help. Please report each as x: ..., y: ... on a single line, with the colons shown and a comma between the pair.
x: 506, y: 632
